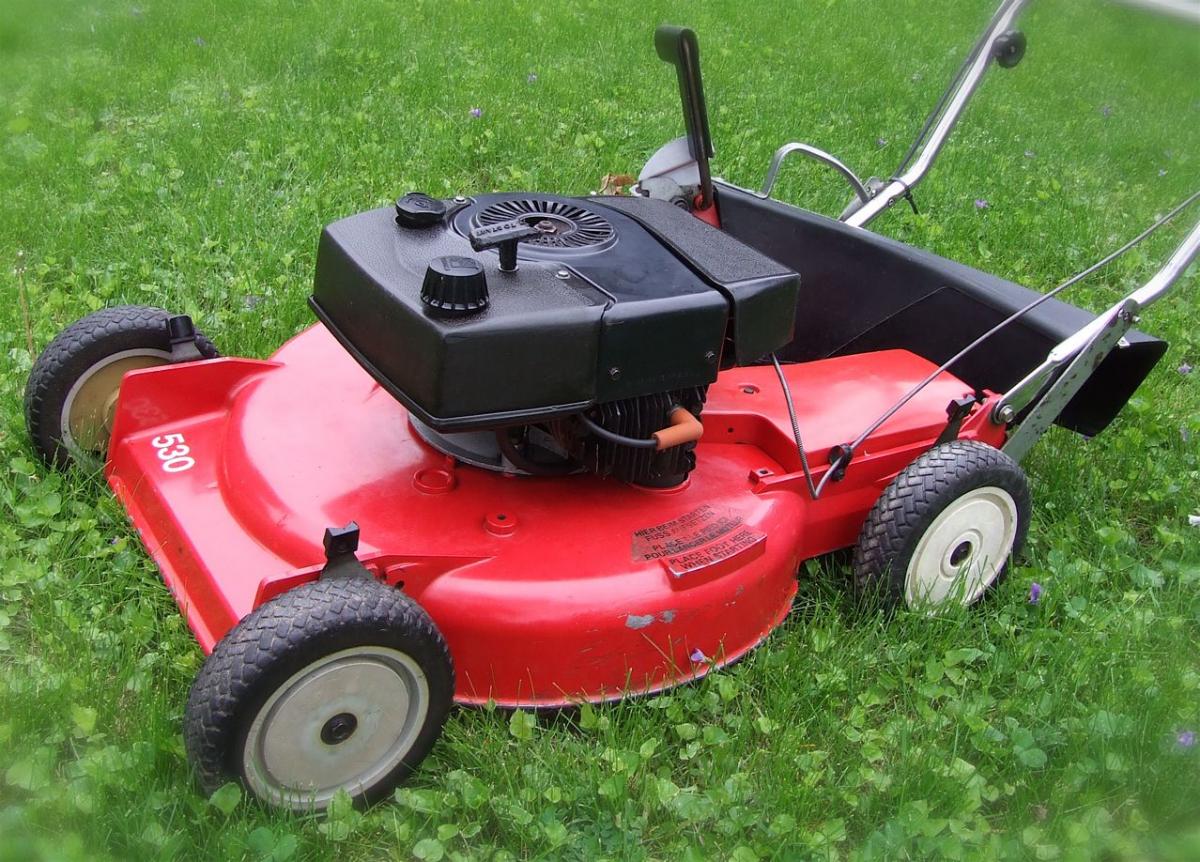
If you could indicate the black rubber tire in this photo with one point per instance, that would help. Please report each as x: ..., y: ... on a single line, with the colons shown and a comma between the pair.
x: 911, y: 503
x: 285, y: 635
x: 77, y: 349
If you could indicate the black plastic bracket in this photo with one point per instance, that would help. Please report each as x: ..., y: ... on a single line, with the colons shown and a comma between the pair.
x: 341, y: 559
x: 908, y: 195
x: 956, y: 411
x: 840, y: 457
x: 505, y: 237
x: 679, y: 47
x: 181, y: 334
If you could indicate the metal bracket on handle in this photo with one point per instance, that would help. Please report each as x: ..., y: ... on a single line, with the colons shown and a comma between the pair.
x: 1115, y: 324
x: 1051, y: 386
x: 821, y: 156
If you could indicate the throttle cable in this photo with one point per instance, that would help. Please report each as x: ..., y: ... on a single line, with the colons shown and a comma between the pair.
x: 843, y: 458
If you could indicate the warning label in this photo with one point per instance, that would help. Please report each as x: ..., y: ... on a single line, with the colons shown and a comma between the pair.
x: 735, y: 543
x: 691, y: 530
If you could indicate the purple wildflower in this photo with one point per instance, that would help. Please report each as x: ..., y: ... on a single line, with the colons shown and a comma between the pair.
x: 981, y: 204
x: 1106, y: 110
x: 532, y: 78
x: 199, y: 40
x: 1035, y: 592
x: 476, y: 112
x: 881, y: 142
x: 698, y: 656
x: 1185, y: 738
x: 1184, y: 368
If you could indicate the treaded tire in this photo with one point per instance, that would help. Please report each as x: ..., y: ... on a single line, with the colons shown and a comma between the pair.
x: 77, y: 350
x: 266, y: 651
x: 912, y: 503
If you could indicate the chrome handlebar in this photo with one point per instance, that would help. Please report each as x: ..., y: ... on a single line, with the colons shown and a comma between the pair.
x: 1049, y: 387
x: 875, y: 196
x: 821, y: 156
x: 900, y: 186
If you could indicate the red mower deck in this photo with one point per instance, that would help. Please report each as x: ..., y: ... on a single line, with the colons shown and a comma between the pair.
x: 547, y: 590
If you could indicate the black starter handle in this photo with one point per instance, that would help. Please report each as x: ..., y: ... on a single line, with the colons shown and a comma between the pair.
x: 679, y: 47
x: 505, y: 237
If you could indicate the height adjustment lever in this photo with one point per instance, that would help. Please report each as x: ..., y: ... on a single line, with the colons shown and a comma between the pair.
x: 181, y: 335
x: 956, y: 411
x: 503, y: 236
x: 341, y: 553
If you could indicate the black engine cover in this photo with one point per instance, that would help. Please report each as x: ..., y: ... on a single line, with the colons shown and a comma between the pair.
x: 603, y: 306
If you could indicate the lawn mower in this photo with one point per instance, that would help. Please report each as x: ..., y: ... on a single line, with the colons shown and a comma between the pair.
x: 542, y: 450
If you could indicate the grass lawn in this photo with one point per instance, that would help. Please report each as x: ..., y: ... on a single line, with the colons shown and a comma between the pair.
x: 187, y: 154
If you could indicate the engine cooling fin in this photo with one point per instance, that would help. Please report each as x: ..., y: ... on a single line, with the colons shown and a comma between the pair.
x: 564, y: 226
x: 637, y: 418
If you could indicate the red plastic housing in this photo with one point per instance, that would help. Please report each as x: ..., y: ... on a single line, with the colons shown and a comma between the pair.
x: 548, y: 590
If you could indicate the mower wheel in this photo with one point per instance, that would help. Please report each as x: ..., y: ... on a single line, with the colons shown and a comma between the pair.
x: 944, y: 530
x: 72, y: 391
x: 339, y: 684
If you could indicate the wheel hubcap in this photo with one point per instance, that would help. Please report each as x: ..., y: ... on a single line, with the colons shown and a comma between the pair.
x: 87, y: 415
x: 961, y: 553
x: 344, y: 722
x: 339, y: 728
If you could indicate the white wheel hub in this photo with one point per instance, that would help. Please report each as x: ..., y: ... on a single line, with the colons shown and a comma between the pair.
x: 344, y: 722
x: 87, y: 413
x: 961, y: 553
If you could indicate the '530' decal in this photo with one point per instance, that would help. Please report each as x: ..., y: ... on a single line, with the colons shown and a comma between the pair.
x: 173, y: 453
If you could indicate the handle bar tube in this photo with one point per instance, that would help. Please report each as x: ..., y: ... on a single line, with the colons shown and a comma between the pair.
x: 897, y: 188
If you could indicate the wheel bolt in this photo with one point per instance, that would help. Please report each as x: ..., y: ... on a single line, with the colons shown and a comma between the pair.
x: 339, y: 728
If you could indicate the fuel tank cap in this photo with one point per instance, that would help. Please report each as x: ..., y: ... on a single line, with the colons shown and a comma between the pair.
x: 455, y: 285
x: 418, y: 210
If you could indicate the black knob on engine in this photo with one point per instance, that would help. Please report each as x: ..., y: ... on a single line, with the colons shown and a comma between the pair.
x: 503, y: 236
x: 417, y: 210
x: 455, y: 285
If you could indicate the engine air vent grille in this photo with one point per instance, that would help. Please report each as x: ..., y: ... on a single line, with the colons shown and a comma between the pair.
x: 564, y: 226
